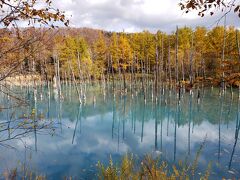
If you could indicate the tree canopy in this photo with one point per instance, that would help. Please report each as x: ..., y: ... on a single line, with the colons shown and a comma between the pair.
x: 33, y: 11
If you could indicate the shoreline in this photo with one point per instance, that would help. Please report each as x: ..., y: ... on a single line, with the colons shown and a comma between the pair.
x: 36, y: 80
x: 23, y: 80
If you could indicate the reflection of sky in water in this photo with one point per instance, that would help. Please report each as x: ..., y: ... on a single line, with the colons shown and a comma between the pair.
x: 96, y: 135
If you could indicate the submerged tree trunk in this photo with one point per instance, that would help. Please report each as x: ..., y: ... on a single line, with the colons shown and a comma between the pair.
x: 75, y: 82
x: 112, y: 73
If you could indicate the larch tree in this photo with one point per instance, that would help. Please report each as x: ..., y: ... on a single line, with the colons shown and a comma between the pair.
x: 114, y: 51
x: 125, y: 52
x: 100, y: 55
x: 12, y: 13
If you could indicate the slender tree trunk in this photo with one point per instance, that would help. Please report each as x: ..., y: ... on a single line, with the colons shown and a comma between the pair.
x: 169, y: 64
x: 75, y: 82
x: 112, y: 72
x: 191, y: 64
x: 238, y: 46
x: 183, y: 71
x: 223, y: 56
x: 79, y: 70
x: 156, y: 73
x: 177, y: 78
x: 58, y: 78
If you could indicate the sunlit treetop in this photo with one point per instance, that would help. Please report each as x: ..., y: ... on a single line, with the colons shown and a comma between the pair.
x: 210, y: 6
x: 32, y: 11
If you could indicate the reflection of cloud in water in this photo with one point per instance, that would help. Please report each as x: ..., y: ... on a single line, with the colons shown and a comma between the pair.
x: 56, y: 154
x: 96, y: 136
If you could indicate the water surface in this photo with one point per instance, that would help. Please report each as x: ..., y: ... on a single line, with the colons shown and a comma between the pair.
x: 68, y: 138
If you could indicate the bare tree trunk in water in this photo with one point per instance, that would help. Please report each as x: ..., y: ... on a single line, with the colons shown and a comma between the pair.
x: 177, y: 79
x: 169, y: 65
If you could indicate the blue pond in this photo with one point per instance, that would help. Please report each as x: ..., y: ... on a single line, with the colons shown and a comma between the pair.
x: 66, y: 138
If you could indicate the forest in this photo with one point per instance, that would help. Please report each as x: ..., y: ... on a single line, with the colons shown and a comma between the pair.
x: 186, y: 56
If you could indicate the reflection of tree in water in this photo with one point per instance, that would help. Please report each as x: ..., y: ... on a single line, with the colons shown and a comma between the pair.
x: 127, y: 112
x: 18, y: 128
x: 17, y: 125
x: 206, y: 110
x: 236, y: 132
x: 78, y: 121
x: 189, y: 111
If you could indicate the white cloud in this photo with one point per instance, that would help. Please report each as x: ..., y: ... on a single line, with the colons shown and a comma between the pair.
x: 134, y: 15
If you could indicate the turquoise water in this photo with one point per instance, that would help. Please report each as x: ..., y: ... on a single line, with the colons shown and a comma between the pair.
x: 66, y: 138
